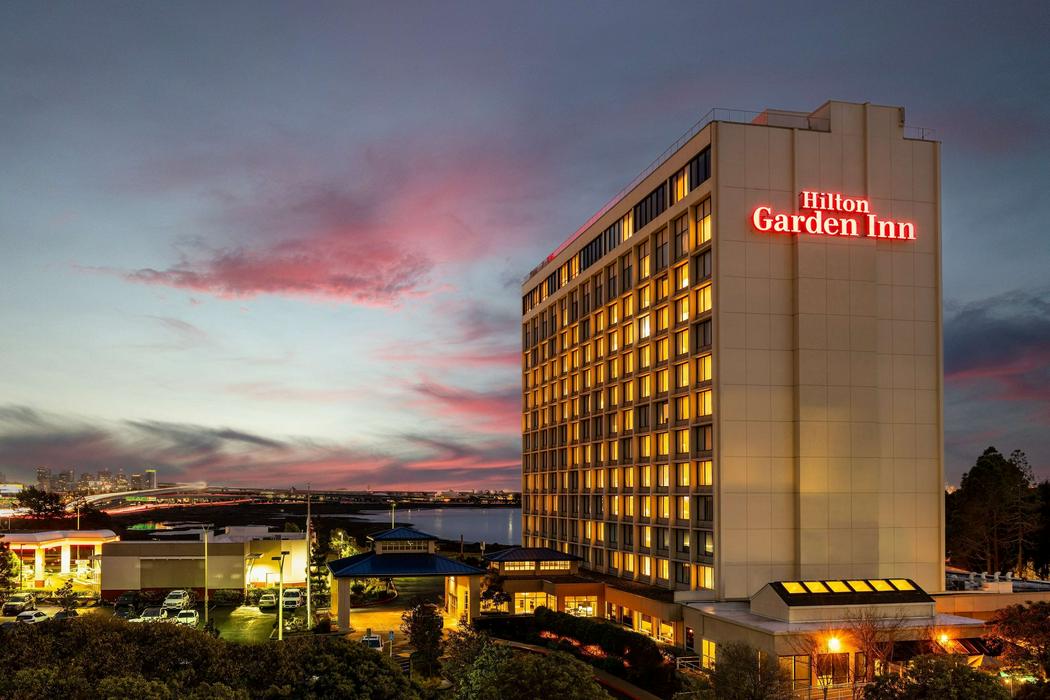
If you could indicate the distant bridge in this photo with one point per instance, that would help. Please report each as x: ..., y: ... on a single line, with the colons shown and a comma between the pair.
x: 103, y: 497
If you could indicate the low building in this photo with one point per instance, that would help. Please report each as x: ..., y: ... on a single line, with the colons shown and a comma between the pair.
x: 238, y: 558
x: 57, y: 552
x: 402, y: 552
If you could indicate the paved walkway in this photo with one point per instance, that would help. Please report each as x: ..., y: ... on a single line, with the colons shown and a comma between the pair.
x: 603, y: 677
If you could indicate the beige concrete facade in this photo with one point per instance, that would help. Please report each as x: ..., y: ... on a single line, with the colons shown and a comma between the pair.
x: 825, y: 383
x: 827, y: 377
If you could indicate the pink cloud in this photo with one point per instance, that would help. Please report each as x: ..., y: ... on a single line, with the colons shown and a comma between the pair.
x: 369, y: 237
x: 496, y: 412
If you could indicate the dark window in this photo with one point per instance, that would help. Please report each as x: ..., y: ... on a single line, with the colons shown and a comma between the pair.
x: 702, y: 335
x: 650, y: 207
x: 699, y: 168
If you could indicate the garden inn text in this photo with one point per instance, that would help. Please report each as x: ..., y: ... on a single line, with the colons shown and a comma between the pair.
x: 829, y: 214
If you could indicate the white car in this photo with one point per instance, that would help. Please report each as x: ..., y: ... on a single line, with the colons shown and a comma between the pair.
x: 178, y: 600
x: 189, y: 618
x: 268, y: 600
x: 32, y: 617
x: 154, y: 615
x: 293, y: 598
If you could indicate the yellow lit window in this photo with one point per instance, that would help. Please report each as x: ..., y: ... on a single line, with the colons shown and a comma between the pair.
x: 681, y: 441
x: 703, y: 402
x: 647, y: 475
x: 681, y: 407
x: 681, y: 372
x: 628, y: 563
x: 646, y: 565
x: 665, y: 507
x: 683, y: 507
x: 705, y: 576
x: 628, y: 362
x: 628, y: 477
x: 628, y: 391
x: 665, y: 475
x: 645, y: 386
x: 703, y: 368
x: 879, y: 584
x: 661, y: 350
x: 601, y: 532
x: 628, y: 306
x: 614, y: 505
x: 645, y: 450
x: 838, y: 587
x: 793, y: 587
x: 663, y: 569
x: 644, y: 330
x: 661, y: 381
x: 703, y: 222
x: 628, y: 420
x: 681, y: 277
x: 902, y: 584
x: 647, y: 510
x: 815, y: 586
x: 645, y: 297
x: 681, y: 342
x: 647, y: 536
x: 682, y: 469
x: 645, y: 357
x: 662, y: 444
x: 628, y: 506
x: 681, y: 310
x: 661, y: 318
x: 703, y: 299
x: 708, y: 649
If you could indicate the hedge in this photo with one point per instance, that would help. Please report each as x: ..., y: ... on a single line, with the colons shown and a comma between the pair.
x: 629, y: 655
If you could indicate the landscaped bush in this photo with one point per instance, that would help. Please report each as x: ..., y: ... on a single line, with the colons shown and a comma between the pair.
x: 226, y: 598
x: 95, y: 656
x: 623, y: 653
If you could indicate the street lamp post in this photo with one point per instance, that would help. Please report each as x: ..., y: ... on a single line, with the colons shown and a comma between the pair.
x: 205, y: 575
x: 280, y: 596
x: 309, y: 561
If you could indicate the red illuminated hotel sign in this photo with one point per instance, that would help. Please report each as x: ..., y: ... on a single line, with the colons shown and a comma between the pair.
x: 826, y: 214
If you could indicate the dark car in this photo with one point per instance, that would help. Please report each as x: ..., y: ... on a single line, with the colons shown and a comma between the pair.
x: 65, y: 615
x: 126, y: 612
x: 18, y: 603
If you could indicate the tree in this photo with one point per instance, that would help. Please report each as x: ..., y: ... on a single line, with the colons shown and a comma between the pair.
x: 1026, y: 631
x: 463, y: 646
x: 873, y: 635
x: 1040, y: 550
x: 989, y: 519
x: 423, y: 626
x: 40, y: 503
x: 492, y: 591
x: 67, y: 597
x: 937, y: 677
x: 98, y: 657
x: 498, y: 672
x: 741, y: 673
x: 8, y: 569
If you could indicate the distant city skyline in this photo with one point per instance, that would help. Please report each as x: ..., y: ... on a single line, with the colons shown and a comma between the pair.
x: 250, y: 245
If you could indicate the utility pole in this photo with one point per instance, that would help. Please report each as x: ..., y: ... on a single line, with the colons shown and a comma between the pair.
x: 205, y: 575
x: 309, y: 561
x: 393, y: 505
x: 280, y: 597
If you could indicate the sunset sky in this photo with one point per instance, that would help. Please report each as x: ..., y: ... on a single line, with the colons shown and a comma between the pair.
x: 278, y: 243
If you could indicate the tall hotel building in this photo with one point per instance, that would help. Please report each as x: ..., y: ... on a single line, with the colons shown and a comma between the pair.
x: 731, y: 376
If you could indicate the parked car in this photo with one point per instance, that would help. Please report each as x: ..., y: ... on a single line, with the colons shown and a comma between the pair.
x: 19, y: 603
x: 268, y: 600
x: 32, y: 617
x: 373, y: 641
x: 126, y: 613
x: 190, y: 618
x: 292, y: 598
x: 65, y: 615
x: 154, y: 615
x: 178, y: 600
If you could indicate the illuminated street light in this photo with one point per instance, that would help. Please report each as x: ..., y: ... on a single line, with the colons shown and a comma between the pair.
x: 280, y: 596
x: 834, y: 644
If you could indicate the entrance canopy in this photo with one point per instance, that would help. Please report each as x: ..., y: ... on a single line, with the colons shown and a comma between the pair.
x: 372, y: 565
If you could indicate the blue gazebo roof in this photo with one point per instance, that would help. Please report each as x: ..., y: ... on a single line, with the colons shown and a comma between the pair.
x: 372, y: 565
x: 530, y: 554
x: 400, y: 533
